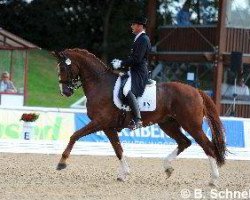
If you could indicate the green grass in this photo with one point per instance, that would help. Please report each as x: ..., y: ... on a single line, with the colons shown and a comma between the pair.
x: 42, y: 85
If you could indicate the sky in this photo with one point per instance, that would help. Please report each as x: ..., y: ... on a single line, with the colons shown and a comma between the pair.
x: 240, y: 4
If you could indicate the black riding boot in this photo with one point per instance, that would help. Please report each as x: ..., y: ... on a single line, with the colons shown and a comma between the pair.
x: 133, y: 104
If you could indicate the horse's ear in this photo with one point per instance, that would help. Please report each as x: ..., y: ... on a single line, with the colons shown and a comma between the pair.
x: 58, y: 55
x: 55, y: 54
x: 62, y: 54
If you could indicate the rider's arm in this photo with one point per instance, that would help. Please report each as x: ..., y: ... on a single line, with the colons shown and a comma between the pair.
x: 136, y: 57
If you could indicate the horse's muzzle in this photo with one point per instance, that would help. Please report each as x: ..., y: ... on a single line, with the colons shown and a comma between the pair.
x: 67, y: 91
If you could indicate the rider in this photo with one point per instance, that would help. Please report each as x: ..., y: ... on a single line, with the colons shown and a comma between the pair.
x: 137, y: 63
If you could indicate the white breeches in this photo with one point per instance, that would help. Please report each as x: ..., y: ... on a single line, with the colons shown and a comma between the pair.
x: 127, y: 86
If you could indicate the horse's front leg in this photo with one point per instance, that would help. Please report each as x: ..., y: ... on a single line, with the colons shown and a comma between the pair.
x: 90, y: 128
x: 123, y: 169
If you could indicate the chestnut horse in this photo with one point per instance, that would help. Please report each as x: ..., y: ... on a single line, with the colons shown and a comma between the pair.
x: 178, y: 106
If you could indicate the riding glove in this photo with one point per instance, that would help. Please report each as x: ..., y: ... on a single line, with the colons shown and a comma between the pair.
x: 116, y: 63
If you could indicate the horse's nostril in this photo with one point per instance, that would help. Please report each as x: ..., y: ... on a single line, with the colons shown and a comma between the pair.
x: 67, y: 91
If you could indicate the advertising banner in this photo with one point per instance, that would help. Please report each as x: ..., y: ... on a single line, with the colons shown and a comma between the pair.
x: 50, y: 126
x: 154, y: 135
x: 52, y: 130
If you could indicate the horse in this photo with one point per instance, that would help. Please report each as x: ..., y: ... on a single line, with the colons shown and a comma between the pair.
x: 178, y: 105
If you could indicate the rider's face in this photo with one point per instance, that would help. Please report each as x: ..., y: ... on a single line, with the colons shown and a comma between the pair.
x: 136, y: 28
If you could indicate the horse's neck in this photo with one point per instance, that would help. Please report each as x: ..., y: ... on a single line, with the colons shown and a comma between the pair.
x: 95, y: 79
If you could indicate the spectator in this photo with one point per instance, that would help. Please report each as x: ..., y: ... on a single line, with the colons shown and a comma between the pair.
x: 242, y: 88
x: 183, y: 16
x: 6, y: 85
x: 231, y: 90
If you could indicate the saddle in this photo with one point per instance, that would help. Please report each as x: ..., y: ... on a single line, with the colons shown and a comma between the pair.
x: 121, y: 96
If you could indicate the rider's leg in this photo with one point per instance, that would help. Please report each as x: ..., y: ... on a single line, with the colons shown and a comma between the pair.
x: 133, y: 104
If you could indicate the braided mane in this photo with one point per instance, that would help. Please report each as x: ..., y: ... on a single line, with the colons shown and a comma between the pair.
x: 88, y: 54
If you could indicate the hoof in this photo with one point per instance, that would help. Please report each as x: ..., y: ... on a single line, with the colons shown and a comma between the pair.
x: 120, y: 179
x: 212, y: 183
x: 61, y: 166
x: 169, y: 171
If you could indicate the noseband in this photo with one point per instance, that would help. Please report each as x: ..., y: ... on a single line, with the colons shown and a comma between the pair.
x: 71, y: 82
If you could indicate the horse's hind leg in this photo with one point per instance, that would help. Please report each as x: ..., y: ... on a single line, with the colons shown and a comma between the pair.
x: 123, y: 170
x: 209, y: 149
x: 173, y: 129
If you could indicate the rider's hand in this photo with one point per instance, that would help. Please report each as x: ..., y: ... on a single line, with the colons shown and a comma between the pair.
x: 116, y: 63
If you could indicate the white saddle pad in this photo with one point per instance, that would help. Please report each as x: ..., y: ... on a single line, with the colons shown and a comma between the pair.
x: 146, y: 103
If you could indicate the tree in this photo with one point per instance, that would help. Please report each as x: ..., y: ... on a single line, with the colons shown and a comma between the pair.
x: 11, y: 12
x: 106, y: 21
x: 101, y: 26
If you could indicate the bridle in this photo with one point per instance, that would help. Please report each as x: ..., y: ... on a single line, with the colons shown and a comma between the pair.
x: 71, y: 82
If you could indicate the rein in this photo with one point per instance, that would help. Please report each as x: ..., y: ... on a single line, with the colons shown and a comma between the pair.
x: 103, y: 72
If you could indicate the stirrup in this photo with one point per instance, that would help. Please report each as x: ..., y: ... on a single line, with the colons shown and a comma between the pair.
x: 135, y: 125
x: 150, y: 81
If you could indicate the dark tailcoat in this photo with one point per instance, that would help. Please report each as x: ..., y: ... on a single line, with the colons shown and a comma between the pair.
x: 138, y: 63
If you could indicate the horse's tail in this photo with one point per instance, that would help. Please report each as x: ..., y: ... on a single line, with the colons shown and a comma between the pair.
x: 217, y: 130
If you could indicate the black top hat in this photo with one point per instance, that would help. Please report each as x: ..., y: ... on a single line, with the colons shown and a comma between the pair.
x: 139, y: 20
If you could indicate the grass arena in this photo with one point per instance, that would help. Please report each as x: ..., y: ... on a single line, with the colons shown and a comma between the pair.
x: 28, y: 167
